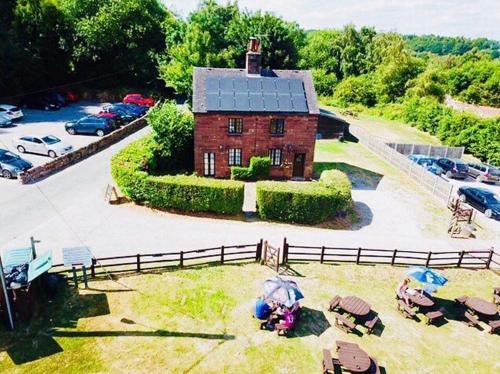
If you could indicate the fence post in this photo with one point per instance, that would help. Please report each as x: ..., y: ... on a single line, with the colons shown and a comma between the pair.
x: 222, y: 255
x: 460, y: 259
x: 428, y: 259
x: 92, y: 268
x: 181, y: 259
x: 358, y: 256
x: 258, y: 252
x: 393, y: 259
x: 138, y: 263
x: 265, y: 251
x: 490, y: 257
x: 285, y: 252
x: 322, y: 254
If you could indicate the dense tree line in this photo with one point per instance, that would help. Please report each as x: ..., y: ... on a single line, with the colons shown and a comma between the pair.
x: 448, y: 45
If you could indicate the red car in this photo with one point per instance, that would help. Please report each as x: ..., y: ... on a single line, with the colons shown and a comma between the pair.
x: 138, y: 99
x: 117, y: 120
x: 71, y: 97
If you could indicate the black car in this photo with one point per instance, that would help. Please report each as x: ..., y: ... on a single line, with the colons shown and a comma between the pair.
x: 453, y: 168
x: 42, y: 102
x: 94, y: 125
x: 11, y: 164
x: 58, y: 98
x: 482, y: 199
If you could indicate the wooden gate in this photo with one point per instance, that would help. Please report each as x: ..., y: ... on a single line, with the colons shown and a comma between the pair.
x: 271, y: 257
x: 460, y: 221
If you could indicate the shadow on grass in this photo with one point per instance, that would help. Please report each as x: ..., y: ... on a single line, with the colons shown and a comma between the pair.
x: 312, y: 322
x: 361, y: 179
x: 157, y: 333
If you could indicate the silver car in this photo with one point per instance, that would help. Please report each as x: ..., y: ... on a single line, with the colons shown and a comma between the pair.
x: 49, y: 145
x: 12, y: 112
x: 5, y: 121
x: 484, y: 173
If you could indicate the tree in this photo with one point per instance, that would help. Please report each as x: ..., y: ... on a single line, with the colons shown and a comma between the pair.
x: 356, y: 90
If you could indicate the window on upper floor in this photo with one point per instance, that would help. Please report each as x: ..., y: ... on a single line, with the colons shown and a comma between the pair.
x: 277, y: 126
x: 235, y: 126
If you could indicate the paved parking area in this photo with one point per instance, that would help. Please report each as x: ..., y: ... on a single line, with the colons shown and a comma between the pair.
x: 38, y: 122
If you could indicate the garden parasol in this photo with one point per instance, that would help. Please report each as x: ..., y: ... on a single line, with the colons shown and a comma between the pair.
x: 427, y: 276
x: 285, y: 292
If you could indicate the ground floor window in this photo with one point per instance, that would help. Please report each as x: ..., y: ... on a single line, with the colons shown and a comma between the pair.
x: 275, y: 155
x: 209, y: 164
x: 234, y: 157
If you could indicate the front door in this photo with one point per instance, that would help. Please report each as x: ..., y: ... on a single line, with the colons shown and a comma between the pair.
x: 298, y: 165
x: 209, y: 164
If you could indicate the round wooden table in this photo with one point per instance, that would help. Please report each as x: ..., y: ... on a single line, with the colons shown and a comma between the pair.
x: 354, y: 358
x: 481, y: 306
x: 421, y: 299
x: 355, y: 306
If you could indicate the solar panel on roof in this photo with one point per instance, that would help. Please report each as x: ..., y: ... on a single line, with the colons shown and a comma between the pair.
x: 243, y: 94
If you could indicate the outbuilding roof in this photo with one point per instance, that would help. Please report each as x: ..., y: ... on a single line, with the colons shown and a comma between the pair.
x: 273, y: 91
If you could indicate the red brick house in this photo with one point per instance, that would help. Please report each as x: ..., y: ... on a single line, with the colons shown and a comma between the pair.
x: 240, y: 113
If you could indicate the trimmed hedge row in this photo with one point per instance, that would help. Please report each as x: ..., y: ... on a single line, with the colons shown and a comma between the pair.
x: 259, y: 168
x: 305, y: 202
x: 187, y: 193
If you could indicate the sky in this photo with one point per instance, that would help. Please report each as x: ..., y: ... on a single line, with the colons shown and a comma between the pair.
x: 469, y: 18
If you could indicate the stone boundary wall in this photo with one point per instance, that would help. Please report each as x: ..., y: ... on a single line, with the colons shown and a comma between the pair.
x: 38, y: 172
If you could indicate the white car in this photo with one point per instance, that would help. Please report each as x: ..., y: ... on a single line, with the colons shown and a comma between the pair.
x: 11, y: 111
x: 49, y: 145
x: 5, y: 121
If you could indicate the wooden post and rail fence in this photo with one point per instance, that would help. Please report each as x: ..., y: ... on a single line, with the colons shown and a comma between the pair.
x: 274, y: 257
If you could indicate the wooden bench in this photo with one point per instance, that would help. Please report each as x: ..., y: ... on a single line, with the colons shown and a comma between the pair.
x: 343, y: 323
x: 334, y: 303
x: 406, y: 310
x: 461, y: 300
x: 434, y: 315
x: 370, y: 324
x: 374, y: 368
x: 329, y: 362
x: 471, y: 320
x: 494, y: 326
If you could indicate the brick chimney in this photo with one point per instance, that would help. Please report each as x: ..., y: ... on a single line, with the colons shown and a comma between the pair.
x: 253, y: 60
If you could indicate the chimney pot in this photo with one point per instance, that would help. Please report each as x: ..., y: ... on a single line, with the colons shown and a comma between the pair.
x: 253, y: 57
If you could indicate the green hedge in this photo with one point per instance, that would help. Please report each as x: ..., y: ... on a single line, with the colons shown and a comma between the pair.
x: 305, y: 202
x: 188, y: 193
x: 259, y: 168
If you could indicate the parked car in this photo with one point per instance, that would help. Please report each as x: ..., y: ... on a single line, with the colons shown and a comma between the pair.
x: 11, y: 164
x: 126, y: 116
x: 428, y: 162
x: 71, y: 97
x: 482, y: 199
x: 49, y: 145
x: 42, y: 102
x: 99, y: 126
x: 138, y: 99
x: 115, y: 117
x: 453, y: 168
x: 59, y: 98
x: 5, y: 121
x: 12, y: 112
x: 137, y: 110
x: 484, y: 173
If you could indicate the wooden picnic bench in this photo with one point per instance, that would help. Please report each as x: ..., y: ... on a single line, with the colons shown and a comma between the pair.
x: 494, y: 325
x: 471, y: 320
x: 461, y: 300
x: 496, y: 299
x: 334, y: 303
x: 343, y: 323
x: 374, y: 368
x: 406, y: 310
x: 329, y: 362
x: 433, y: 316
x: 370, y: 324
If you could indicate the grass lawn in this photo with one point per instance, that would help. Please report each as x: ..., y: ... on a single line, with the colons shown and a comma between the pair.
x: 199, y: 320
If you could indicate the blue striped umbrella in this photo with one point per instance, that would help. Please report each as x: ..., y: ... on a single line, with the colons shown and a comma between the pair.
x: 427, y: 276
x: 285, y: 292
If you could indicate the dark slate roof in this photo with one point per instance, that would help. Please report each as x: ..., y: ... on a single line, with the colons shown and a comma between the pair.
x: 232, y: 90
x: 328, y: 114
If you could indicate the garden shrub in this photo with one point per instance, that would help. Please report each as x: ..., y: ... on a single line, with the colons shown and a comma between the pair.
x: 259, y: 168
x: 129, y: 169
x: 305, y: 202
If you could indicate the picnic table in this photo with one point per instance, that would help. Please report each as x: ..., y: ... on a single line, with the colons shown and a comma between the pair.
x: 481, y: 306
x: 355, y: 306
x: 352, y: 357
x: 421, y: 299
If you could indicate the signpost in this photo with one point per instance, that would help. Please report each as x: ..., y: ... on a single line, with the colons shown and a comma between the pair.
x: 77, y: 256
x: 6, y: 295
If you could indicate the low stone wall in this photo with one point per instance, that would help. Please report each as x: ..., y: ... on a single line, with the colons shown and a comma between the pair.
x: 36, y: 173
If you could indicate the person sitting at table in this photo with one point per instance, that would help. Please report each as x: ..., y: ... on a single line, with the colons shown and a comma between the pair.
x: 262, y: 308
x: 288, y: 318
x: 402, y: 291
